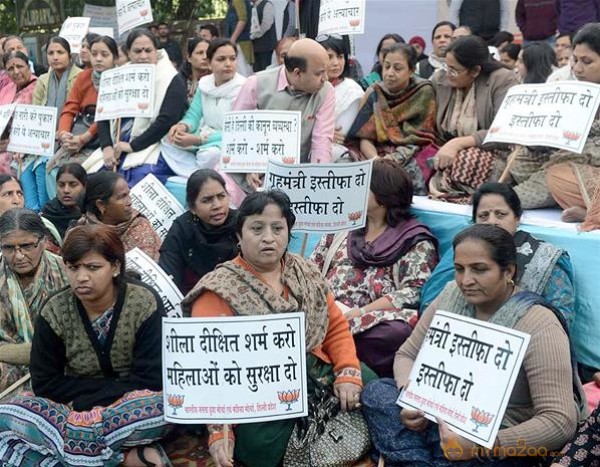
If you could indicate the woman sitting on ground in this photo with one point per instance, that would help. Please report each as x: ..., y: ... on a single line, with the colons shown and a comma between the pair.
x: 66, y: 207
x: 377, y: 272
x: 541, y: 267
x: 134, y: 148
x: 265, y: 279
x: 195, y: 142
x: 202, y: 237
x: 95, y: 366
x: 195, y: 65
x: 385, y: 43
x: 536, y: 62
x: 397, y: 116
x: 469, y: 93
x: 347, y: 92
x: 28, y: 276
x: 539, y: 415
x: 107, y: 201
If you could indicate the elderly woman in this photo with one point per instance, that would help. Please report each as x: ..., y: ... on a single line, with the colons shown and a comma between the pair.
x: 541, y: 267
x: 18, y: 90
x: 195, y: 142
x: 132, y: 145
x: 264, y: 279
x: 107, y: 201
x: 95, y: 366
x: 51, y: 90
x: 538, y: 415
x: 28, y: 276
x: 377, y: 272
x: 469, y: 93
x: 202, y: 237
x: 347, y: 91
x: 397, y: 116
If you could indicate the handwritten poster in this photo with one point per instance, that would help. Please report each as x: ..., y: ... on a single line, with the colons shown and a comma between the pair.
x: 464, y: 373
x: 74, y: 30
x: 161, y: 208
x: 6, y: 112
x: 154, y: 276
x: 33, y: 130
x: 127, y: 91
x: 325, y: 197
x: 101, y: 16
x: 342, y: 17
x: 133, y: 13
x: 554, y: 114
x: 251, y: 138
x: 238, y: 369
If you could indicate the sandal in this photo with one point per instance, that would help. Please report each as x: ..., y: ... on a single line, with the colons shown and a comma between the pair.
x: 164, y: 459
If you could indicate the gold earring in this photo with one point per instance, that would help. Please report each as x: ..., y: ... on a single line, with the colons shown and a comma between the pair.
x: 510, y: 282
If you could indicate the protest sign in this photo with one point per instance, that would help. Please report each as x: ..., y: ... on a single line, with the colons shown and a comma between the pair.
x: 325, y: 197
x: 103, y: 32
x: 342, y: 17
x: 33, y: 130
x: 74, y: 30
x: 127, y: 91
x: 240, y: 369
x: 251, y: 138
x: 6, y: 112
x: 154, y: 276
x: 133, y: 13
x: 161, y: 208
x: 464, y: 373
x: 101, y: 16
x: 558, y: 115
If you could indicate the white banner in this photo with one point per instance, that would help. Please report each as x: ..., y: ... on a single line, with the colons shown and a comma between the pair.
x: 6, y: 112
x: 101, y: 16
x: 239, y: 369
x: 154, y: 276
x: 325, y: 197
x: 74, y: 30
x: 559, y: 115
x: 127, y: 91
x: 464, y: 374
x: 252, y: 137
x: 103, y: 32
x: 153, y: 200
x: 342, y: 17
x: 133, y: 13
x: 33, y: 130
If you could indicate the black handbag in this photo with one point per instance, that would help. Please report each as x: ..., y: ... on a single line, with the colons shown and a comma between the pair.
x: 83, y: 121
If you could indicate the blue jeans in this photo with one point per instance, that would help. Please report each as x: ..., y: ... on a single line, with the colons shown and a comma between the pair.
x: 33, y: 181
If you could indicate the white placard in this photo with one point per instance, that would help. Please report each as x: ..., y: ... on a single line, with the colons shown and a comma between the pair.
x: 6, y: 112
x: 342, y: 17
x: 559, y: 115
x: 154, y: 276
x: 101, y: 16
x: 240, y: 369
x: 33, y: 130
x: 126, y: 91
x: 103, y: 32
x: 325, y: 197
x: 74, y: 30
x: 464, y: 373
x: 133, y: 13
x: 153, y: 200
x: 251, y: 138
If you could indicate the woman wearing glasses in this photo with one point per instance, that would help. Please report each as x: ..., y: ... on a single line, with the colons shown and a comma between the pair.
x: 28, y: 276
x: 469, y: 93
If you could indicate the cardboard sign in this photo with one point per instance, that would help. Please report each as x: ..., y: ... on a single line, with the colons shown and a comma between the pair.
x: 251, y: 138
x: 558, y: 115
x: 153, y: 200
x: 127, y: 91
x: 238, y: 369
x: 342, y: 17
x: 325, y: 197
x: 74, y: 30
x: 464, y: 373
x: 133, y: 13
x: 33, y: 130
x: 154, y: 276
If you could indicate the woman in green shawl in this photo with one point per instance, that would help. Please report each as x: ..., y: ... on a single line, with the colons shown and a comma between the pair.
x: 28, y: 276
